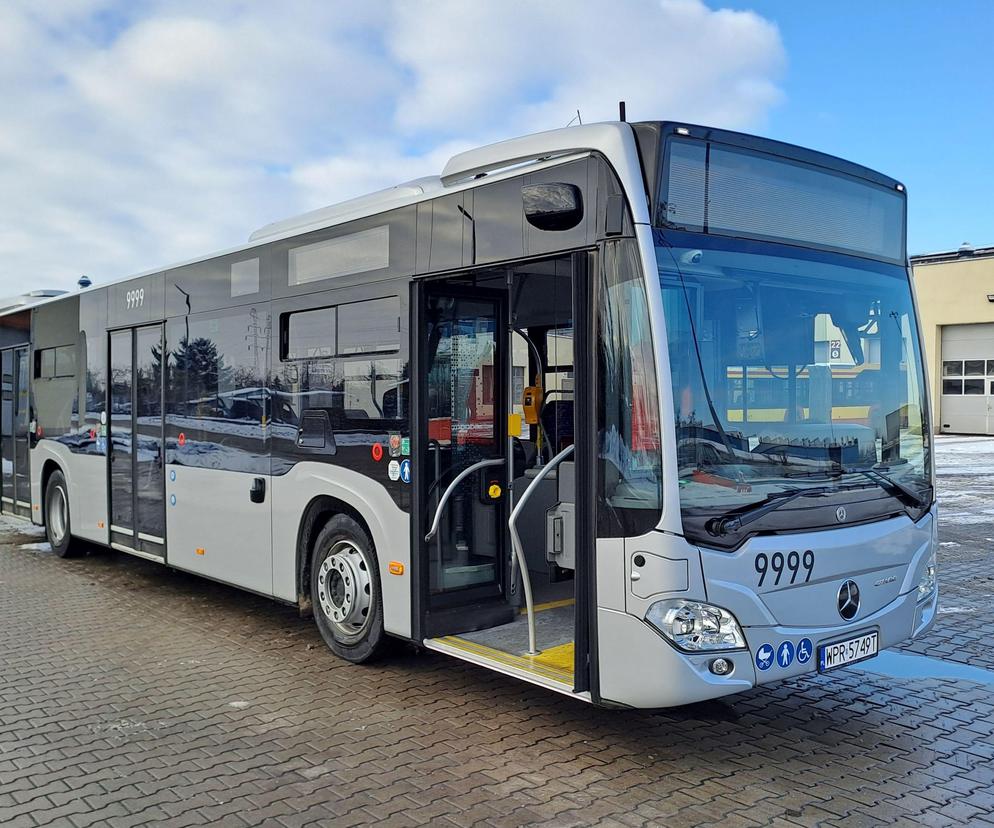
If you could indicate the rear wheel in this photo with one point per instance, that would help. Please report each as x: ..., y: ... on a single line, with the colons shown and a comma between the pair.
x: 57, y: 524
x: 345, y: 591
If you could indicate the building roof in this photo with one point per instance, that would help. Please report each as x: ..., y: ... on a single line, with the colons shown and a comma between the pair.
x: 965, y: 252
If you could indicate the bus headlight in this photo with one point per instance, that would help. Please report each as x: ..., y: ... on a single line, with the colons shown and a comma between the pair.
x: 926, y: 584
x: 694, y: 626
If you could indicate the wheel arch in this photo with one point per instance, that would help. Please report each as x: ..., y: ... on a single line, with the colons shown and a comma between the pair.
x: 49, y: 467
x: 318, y: 512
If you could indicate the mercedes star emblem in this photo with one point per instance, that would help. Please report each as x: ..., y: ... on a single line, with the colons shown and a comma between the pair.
x: 848, y: 600
x: 840, y: 514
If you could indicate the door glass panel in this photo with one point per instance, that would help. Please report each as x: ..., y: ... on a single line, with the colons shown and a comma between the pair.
x: 22, y: 418
x: 149, y: 472
x: 120, y: 430
x: 7, y: 428
x: 464, y: 401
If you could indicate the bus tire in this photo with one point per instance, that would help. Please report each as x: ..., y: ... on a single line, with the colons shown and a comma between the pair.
x: 58, y: 528
x: 345, y: 591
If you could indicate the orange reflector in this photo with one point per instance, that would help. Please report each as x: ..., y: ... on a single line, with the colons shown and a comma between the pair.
x: 36, y: 507
x: 100, y: 524
x: 200, y: 550
x: 396, y: 568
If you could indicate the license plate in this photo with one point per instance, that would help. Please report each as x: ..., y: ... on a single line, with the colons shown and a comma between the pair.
x: 841, y: 653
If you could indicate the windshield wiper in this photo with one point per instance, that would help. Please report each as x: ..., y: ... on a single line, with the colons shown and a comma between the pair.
x: 733, y: 521
x: 889, y: 484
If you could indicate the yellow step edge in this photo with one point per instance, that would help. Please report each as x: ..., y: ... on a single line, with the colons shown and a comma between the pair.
x: 562, y: 602
x: 551, y: 663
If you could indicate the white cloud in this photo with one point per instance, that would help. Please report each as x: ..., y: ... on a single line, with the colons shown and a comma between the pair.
x: 133, y: 135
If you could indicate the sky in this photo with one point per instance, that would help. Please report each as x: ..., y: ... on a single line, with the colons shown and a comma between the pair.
x: 137, y: 133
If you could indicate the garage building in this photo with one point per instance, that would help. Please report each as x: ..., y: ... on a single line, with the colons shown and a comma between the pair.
x: 956, y: 304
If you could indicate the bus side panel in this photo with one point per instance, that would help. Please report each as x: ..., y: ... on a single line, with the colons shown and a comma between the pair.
x: 86, y: 480
x: 213, y: 528
x: 388, y: 525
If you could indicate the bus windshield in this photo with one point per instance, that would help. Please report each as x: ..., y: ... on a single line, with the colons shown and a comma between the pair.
x: 791, y: 368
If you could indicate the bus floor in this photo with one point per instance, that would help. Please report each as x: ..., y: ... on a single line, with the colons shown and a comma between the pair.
x: 507, y: 645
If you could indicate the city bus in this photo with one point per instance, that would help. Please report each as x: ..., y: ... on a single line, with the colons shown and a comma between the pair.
x: 635, y: 412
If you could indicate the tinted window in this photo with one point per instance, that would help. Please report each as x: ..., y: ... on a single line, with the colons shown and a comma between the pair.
x: 952, y: 368
x: 973, y: 368
x: 353, y: 253
x: 368, y: 327
x: 310, y: 334
x: 952, y: 386
x: 216, y: 395
x: 65, y: 361
x: 973, y: 386
x: 356, y: 393
x: 244, y: 277
x: 729, y: 190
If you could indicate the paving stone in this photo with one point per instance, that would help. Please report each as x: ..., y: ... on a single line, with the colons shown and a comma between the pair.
x: 124, y: 717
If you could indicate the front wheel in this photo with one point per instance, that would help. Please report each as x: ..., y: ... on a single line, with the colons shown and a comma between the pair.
x: 345, y: 591
x: 57, y: 524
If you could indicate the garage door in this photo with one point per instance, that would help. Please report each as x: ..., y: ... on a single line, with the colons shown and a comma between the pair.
x: 967, y: 379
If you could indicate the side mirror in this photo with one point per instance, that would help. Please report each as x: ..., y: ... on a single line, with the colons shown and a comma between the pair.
x: 552, y: 206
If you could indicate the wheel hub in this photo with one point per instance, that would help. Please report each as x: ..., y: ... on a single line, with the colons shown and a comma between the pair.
x: 344, y: 588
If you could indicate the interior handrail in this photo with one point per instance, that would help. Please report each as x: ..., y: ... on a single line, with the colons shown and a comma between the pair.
x: 519, y: 552
x: 493, y: 461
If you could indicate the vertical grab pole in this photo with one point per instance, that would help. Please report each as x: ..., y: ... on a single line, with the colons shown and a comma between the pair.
x: 519, y: 552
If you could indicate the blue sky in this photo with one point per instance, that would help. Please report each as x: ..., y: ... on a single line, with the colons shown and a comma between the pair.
x: 137, y: 134
x: 903, y: 87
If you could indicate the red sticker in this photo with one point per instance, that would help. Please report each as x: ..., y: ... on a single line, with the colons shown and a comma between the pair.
x: 93, y: 433
x: 181, y: 439
x: 377, y: 452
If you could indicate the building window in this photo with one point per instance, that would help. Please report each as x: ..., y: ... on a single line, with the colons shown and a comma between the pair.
x: 973, y: 367
x: 952, y: 368
x: 973, y: 386
x: 952, y: 386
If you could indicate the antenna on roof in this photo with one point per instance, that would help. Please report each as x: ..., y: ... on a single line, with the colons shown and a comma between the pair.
x: 621, y: 111
x: 84, y: 281
x: 576, y: 118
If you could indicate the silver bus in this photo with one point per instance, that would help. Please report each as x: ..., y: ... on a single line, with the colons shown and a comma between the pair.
x: 632, y: 411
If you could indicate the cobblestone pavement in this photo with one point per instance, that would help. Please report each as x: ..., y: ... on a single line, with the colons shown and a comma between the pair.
x: 131, y: 695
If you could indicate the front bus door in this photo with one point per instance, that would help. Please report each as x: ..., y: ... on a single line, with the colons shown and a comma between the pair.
x: 137, y: 476
x: 462, y: 427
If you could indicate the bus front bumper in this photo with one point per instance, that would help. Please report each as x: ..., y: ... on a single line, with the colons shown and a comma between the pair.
x: 642, y: 669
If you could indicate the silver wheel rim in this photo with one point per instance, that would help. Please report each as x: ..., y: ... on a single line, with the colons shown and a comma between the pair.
x: 58, y: 514
x: 345, y: 588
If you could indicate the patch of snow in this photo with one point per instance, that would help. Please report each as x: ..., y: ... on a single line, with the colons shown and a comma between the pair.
x: 35, y: 547
x: 19, y: 526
